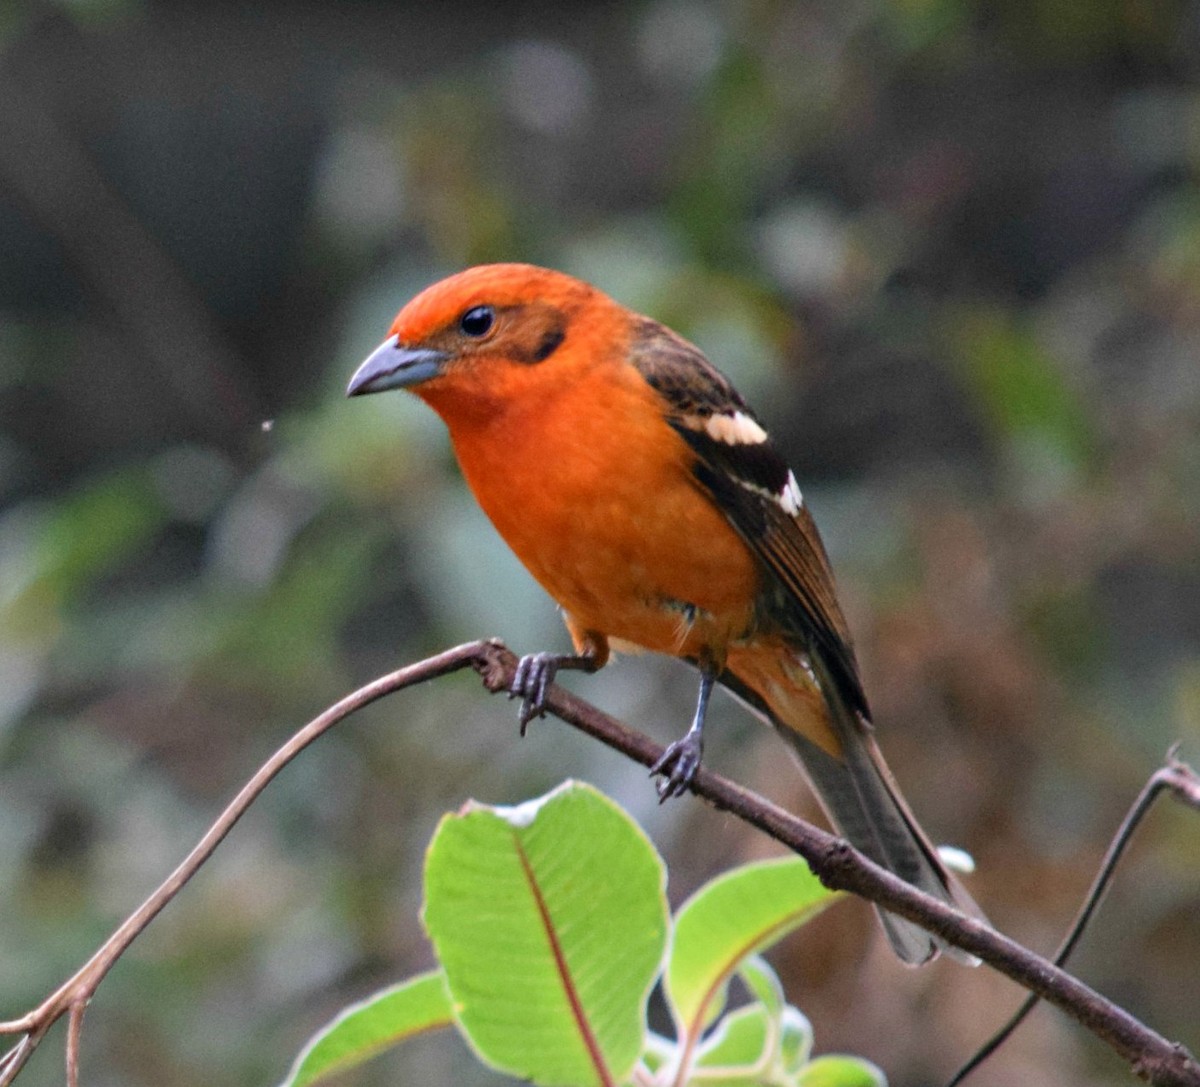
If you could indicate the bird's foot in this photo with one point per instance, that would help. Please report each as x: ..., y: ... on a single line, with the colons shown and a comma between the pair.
x: 678, y: 766
x: 535, y: 672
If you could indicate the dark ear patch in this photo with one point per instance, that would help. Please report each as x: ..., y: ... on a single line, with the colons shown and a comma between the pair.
x: 551, y: 339
x: 534, y: 333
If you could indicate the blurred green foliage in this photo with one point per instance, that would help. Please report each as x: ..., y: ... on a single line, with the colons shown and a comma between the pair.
x: 947, y: 248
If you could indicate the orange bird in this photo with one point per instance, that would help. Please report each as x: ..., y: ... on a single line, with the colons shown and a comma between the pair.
x: 633, y: 481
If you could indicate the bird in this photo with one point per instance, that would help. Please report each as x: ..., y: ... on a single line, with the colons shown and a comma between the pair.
x: 642, y: 492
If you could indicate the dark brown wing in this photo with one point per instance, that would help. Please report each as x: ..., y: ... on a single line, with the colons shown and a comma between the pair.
x: 750, y: 482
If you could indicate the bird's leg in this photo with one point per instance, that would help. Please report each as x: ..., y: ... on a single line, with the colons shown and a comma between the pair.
x: 681, y: 760
x: 536, y: 671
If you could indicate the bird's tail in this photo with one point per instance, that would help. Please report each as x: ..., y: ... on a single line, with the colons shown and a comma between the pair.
x: 853, y: 783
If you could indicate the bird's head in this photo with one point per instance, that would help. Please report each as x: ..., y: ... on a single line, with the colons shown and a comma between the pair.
x: 479, y: 335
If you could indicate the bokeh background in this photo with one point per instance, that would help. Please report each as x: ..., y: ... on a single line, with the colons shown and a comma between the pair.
x: 949, y: 248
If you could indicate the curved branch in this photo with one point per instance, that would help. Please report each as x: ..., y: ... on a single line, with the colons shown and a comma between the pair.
x: 1175, y: 777
x: 73, y: 995
x: 839, y: 866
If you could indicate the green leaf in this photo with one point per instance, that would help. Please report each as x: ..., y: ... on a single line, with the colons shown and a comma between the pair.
x: 658, y: 1051
x: 740, y: 1040
x: 841, y: 1072
x: 795, y: 1040
x: 755, y: 1045
x: 729, y: 919
x: 550, y: 921
x: 365, y: 1029
x: 763, y: 983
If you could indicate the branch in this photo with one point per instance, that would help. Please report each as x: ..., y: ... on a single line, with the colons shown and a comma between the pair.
x: 1174, y: 777
x: 73, y: 995
x: 839, y: 866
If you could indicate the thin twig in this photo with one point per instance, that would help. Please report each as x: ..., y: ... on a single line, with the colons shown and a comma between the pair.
x: 74, y: 1032
x: 838, y: 865
x: 14, y: 1060
x: 1183, y: 783
x: 82, y: 985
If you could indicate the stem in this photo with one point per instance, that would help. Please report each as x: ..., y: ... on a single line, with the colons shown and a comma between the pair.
x: 1184, y: 785
x: 77, y: 990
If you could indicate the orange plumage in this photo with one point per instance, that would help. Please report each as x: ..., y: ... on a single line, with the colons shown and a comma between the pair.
x: 639, y: 489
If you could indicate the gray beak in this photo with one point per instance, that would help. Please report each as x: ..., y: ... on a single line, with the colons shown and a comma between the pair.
x: 391, y: 366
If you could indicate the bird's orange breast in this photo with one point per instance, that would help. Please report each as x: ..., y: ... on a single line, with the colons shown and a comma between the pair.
x: 593, y: 491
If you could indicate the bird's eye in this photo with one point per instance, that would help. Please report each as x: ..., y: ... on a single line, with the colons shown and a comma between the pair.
x: 477, y: 321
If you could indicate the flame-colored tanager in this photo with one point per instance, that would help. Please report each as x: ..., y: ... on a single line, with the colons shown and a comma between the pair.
x: 633, y: 481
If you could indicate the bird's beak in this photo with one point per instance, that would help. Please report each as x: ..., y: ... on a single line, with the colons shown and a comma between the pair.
x: 391, y: 366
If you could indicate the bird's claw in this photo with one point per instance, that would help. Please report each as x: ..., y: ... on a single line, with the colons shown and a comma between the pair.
x: 530, y: 683
x: 678, y: 766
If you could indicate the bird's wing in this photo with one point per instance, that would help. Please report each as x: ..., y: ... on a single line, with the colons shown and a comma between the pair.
x: 743, y: 473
